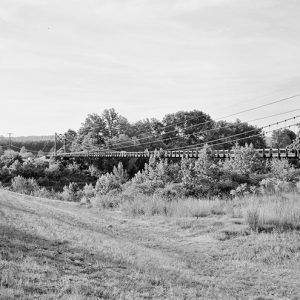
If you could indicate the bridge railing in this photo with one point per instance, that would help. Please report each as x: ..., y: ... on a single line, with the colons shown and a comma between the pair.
x: 263, y: 153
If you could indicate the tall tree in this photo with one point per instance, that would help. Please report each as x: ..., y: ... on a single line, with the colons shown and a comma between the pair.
x: 282, y: 138
x: 225, y: 135
x: 186, y: 128
x: 91, y: 133
x: 111, y: 120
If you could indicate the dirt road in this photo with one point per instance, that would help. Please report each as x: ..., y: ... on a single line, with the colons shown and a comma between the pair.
x: 53, y: 249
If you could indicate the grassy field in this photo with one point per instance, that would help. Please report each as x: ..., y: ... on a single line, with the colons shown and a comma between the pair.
x: 57, y: 250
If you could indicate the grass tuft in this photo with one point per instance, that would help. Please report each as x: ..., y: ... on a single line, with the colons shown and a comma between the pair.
x: 273, y: 213
x: 182, y: 208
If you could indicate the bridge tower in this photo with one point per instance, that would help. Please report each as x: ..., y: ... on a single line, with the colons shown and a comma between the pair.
x: 59, y: 138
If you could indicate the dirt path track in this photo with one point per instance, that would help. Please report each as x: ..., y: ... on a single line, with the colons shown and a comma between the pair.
x: 107, y: 255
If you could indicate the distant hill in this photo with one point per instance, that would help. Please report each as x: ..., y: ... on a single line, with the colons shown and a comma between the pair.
x: 32, y: 138
x: 31, y: 143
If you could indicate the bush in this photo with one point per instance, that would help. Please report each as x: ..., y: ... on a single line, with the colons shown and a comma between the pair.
x: 275, y: 186
x: 54, y: 170
x: 171, y: 191
x: 44, y: 193
x: 246, y: 161
x: 9, y: 157
x: 243, y: 190
x: 88, y: 192
x: 111, y: 181
x: 24, y: 186
x: 156, y: 175
x: 107, y: 183
x: 108, y: 201
x: 71, y: 192
x: 15, y: 168
x: 281, y: 169
x: 199, y: 177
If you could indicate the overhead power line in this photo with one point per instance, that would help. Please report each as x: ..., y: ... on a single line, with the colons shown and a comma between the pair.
x: 195, y: 125
x: 205, y: 131
x: 235, y: 135
x: 207, y: 122
x: 247, y: 137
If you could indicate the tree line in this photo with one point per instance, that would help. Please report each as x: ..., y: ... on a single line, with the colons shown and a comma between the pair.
x: 110, y: 130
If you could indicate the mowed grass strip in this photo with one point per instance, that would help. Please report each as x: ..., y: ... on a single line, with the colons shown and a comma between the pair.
x: 58, y: 250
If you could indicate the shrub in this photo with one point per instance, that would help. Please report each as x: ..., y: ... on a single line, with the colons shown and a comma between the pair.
x: 54, y: 170
x: 199, y: 177
x: 244, y: 189
x: 94, y: 171
x: 9, y: 157
x: 170, y: 191
x: 120, y: 173
x: 111, y: 181
x: 44, y: 193
x: 16, y: 168
x: 25, y: 186
x: 107, y: 183
x: 34, y: 168
x: 88, y: 192
x: 73, y: 168
x: 246, y: 161
x: 108, y: 201
x: 71, y: 192
x: 281, y: 169
x: 148, y: 187
x: 155, y: 175
x: 276, y: 186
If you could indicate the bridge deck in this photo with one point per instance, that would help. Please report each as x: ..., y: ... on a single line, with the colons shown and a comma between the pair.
x: 263, y: 153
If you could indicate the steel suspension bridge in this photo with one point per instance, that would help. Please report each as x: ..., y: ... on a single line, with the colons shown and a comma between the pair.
x: 119, y: 150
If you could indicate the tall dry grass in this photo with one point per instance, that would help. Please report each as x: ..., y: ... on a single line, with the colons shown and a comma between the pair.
x: 261, y: 213
x: 280, y: 212
x: 189, y: 207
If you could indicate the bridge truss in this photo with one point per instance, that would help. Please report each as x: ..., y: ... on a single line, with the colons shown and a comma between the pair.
x: 191, y: 151
x: 263, y: 153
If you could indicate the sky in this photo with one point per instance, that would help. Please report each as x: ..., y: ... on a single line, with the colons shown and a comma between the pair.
x: 61, y: 60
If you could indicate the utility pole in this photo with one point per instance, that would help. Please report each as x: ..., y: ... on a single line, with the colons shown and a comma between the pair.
x: 9, y: 136
x: 65, y: 143
x: 55, y: 143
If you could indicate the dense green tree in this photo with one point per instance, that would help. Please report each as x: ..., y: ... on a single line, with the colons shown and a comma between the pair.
x: 226, y: 134
x: 186, y: 128
x: 9, y: 157
x: 115, y: 123
x: 110, y: 118
x: 91, y: 133
x: 282, y: 138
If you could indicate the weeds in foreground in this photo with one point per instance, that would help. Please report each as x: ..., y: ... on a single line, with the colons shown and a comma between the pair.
x: 261, y: 213
x: 273, y: 212
x: 154, y: 205
x: 269, y: 248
